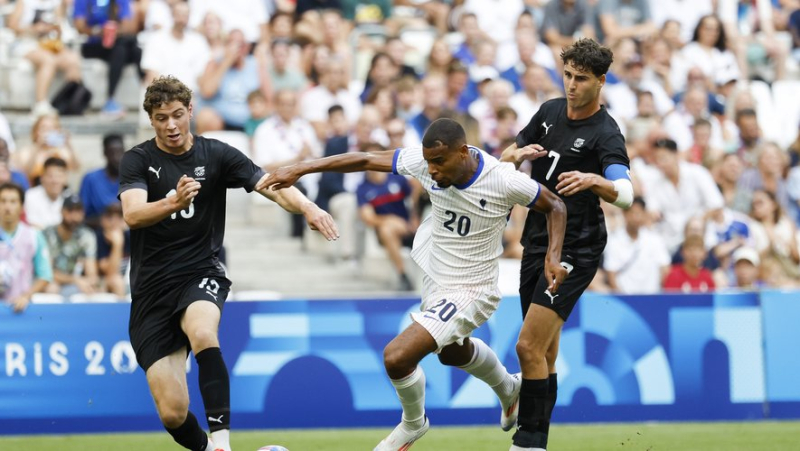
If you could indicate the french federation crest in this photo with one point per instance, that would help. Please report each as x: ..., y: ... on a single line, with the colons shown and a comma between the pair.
x: 578, y: 143
x: 200, y: 171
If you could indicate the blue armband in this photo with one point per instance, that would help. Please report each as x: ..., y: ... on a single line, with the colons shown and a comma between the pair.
x: 617, y: 171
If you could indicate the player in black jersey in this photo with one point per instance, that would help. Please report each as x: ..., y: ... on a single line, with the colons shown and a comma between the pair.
x: 173, y: 192
x: 577, y: 151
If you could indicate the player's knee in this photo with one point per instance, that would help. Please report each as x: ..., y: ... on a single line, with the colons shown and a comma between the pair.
x: 173, y: 411
x: 396, y: 362
x: 203, y: 338
x: 551, y: 356
x: 529, y: 351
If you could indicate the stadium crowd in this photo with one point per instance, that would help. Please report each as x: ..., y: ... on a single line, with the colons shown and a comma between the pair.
x: 706, y: 93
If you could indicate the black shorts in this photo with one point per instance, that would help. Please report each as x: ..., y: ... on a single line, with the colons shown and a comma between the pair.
x: 533, y: 286
x: 155, y: 323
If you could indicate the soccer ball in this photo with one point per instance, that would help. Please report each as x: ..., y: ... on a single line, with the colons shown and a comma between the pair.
x: 272, y: 448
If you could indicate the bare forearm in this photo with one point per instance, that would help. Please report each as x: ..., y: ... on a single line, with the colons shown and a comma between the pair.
x: 349, y: 162
x: 556, y: 229
x: 150, y: 213
x: 605, y: 189
x: 509, y: 155
x: 290, y: 199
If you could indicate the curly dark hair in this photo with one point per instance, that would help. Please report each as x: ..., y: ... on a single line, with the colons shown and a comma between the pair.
x: 587, y: 55
x: 166, y: 89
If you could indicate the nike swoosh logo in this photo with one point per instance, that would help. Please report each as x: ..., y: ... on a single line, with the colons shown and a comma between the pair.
x: 436, y: 188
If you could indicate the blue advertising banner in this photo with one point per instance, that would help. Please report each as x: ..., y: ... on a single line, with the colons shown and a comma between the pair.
x: 70, y: 367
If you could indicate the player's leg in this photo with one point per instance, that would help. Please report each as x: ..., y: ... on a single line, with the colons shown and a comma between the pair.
x: 552, y: 383
x: 200, y: 323
x: 539, y: 329
x: 401, y: 358
x: 167, y: 380
x: 478, y: 359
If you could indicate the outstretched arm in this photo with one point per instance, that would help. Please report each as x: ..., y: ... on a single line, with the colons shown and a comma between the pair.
x: 293, y: 201
x: 615, y: 188
x: 556, y: 213
x: 349, y: 162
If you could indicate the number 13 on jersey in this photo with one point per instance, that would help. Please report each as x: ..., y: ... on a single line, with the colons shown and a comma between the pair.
x: 185, y: 214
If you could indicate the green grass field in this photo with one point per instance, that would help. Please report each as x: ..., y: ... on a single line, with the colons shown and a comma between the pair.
x: 768, y: 436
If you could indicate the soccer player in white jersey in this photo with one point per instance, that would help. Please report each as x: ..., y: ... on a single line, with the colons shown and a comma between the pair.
x: 457, y: 247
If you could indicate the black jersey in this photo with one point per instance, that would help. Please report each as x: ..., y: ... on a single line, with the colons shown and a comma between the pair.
x: 588, y: 145
x: 188, y: 241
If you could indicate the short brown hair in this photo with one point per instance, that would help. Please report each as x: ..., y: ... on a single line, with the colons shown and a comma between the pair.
x: 11, y: 186
x: 166, y: 89
x: 587, y: 55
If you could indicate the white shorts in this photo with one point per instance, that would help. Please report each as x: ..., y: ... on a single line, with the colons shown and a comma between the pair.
x: 450, y: 315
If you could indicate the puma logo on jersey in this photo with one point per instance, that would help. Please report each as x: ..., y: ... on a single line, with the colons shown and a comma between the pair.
x: 216, y: 420
x: 546, y: 127
x: 551, y: 296
x: 155, y: 172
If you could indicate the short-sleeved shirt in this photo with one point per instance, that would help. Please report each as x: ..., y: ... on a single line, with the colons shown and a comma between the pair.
x: 563, y: 21
x: 98, y: 191
x: 459, y: 243
x: 96, y: 12
x: 588, y: 145
x: 387, y: 198
x: 627, y: 13
x: 189, y: 241
x: 67, y: 253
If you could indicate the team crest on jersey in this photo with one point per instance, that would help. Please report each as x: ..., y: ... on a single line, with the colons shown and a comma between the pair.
x: 578, y: 143
x: 200, y: 171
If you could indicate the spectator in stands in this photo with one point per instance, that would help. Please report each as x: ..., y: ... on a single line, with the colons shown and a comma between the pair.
x: 113, y: 250
x: 457, y: 81
x: 692, y: 107
x: 708, y: 49
x: 337, y: 123
x: 225, y: 84
x: 99, y: 187
x: 337, y: 191
x: 396, y: 49
x: 5, y: 133
x: 495, y: 20
x: 334, y: 36
x: 384, y: 100
x: 749, y: 136
x: 73, y: 247
x: 176, y: 51
x: 678, y: 191
x: 259, y: 111
x: 382, y: 207
x: 685, y: 13
x: 439, y: 57
x: 211, y: 29
x: 564, y: 20
x: 37, y: 26
x: 43, y: 203
x: 286, y: 138
x: 484, y: 109
x: 48, y: 140
x: 775, y: 234
x: 701, y: 151
x: 690, y: 276
x: 434, y: 12
x: 636, y: 259
x: 24, y: 258
x: 14, y: 176
x: 661, y: 66
x: 727, y: 172
x: 110, y: 36
x: 671, y: 33
x: 247, y: 16
x: 767, y: 175
x: 332, y: 90
x: 746, y: 263
x: 622, y: 99
x: 505, y: 131
x: 284, y: 75
x: 530, y: 51
x: 537, y: 88
x: 434, y: 91
x: 382, y: 72
x: 620, y: 19
x: 752, y: 28
x: 472, y: 33
x: 793, y: 27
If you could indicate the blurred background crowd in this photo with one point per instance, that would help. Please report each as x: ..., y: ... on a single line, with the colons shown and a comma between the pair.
x: 706, y: 93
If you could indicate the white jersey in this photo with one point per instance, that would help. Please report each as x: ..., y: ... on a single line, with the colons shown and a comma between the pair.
x: 459, y: 243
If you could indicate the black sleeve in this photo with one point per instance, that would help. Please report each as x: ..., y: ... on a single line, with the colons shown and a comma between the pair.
x: 238, y: 170
x: 133, y: 171
x: 611, y: 150
x: 529, y: 134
